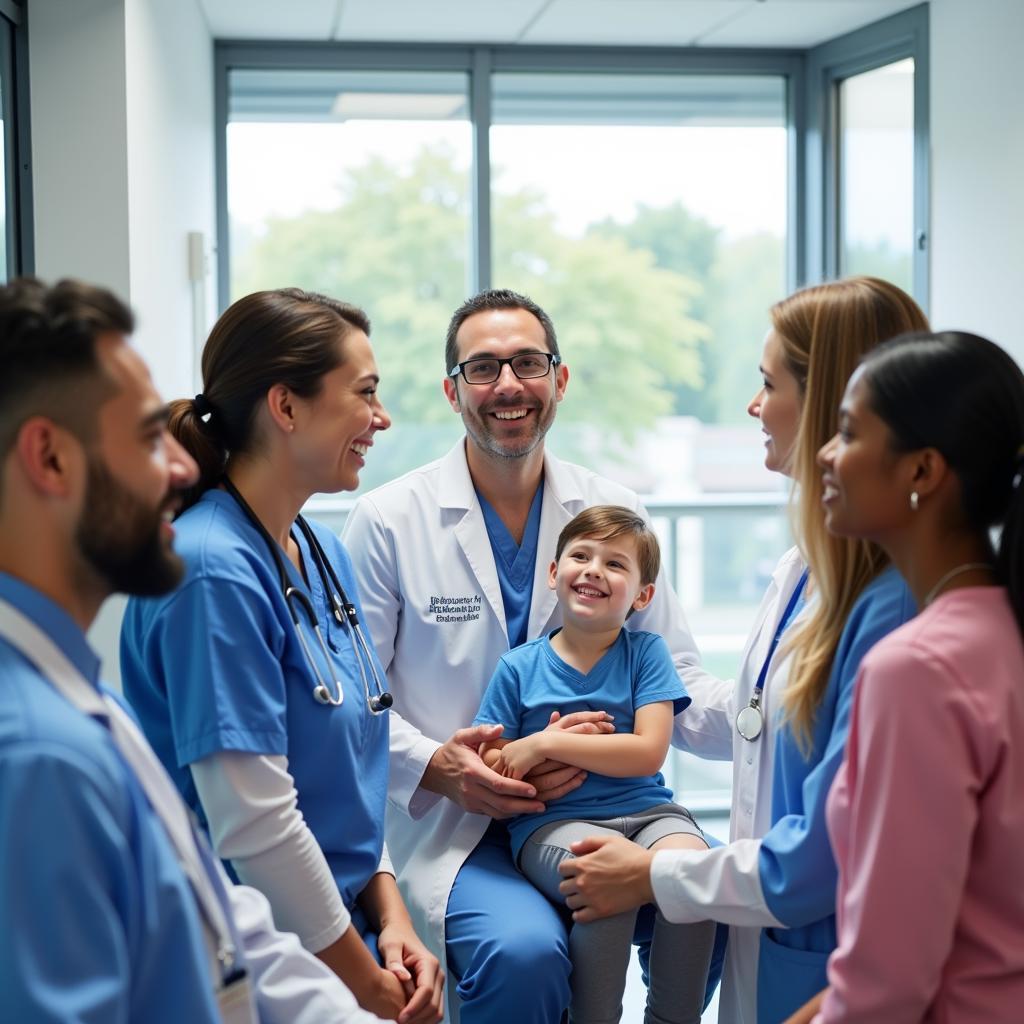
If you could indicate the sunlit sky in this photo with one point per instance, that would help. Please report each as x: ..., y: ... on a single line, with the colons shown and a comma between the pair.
x: 733, y: 177
x: 736, y: 178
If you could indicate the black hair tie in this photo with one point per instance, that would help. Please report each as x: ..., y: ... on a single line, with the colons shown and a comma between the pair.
x: 202, y: 406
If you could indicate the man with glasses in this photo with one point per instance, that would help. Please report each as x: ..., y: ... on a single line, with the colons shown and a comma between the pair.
x: 452, y: 562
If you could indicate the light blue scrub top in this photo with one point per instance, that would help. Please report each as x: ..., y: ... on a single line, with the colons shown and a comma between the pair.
x: 798, y: 870
x: 532, y: 681
x: 97, y: 922
x: 515, y: 564
x: 217, y: 666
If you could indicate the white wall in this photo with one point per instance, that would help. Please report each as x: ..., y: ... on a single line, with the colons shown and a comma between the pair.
x: 977, y: 133
x: 79, y: 160
x: 123, y: 170
x: 123, y: 158
x: 170, y: 179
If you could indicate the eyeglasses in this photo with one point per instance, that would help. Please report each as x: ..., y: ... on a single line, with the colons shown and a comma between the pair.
x: 487, y: 369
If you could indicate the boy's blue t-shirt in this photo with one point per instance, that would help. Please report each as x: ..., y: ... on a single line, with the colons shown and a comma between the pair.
x: 531, y: 681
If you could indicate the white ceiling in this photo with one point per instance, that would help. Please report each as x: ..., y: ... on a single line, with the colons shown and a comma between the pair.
x: 781, y: 23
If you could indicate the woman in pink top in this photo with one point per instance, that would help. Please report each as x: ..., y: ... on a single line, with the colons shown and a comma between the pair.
x: 926, y: 815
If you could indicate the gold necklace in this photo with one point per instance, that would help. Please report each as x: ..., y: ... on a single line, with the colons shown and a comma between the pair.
x: 956, y: 571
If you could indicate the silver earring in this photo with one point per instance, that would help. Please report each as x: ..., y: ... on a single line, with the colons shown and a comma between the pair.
x: 915, y: 501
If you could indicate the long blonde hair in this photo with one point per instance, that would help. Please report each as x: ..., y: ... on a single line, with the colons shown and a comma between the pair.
x: 824, y: 331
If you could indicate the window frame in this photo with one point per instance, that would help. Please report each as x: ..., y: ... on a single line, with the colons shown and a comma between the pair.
x: 884, y: 42
x: 478, y: 63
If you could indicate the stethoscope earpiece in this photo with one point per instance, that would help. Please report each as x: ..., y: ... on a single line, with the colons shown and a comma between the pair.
x: 321, y: 695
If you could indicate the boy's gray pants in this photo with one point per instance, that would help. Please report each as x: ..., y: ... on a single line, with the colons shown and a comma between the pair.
x: 599, y: 951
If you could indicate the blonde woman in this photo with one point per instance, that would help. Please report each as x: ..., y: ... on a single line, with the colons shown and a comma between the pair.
x: 774, y: 884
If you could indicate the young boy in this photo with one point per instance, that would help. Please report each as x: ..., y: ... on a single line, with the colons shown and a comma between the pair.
x: 605, y: 565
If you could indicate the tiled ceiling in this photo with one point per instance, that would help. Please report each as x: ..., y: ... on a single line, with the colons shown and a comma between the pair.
x: 775, y: 23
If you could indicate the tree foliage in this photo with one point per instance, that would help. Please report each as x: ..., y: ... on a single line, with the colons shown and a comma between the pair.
x: 398, y: 243
x: 660, y: 315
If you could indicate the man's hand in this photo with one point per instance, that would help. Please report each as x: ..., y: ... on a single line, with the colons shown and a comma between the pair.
x: 456, y: 771
x: 418, y: 970
x: 607, y: 875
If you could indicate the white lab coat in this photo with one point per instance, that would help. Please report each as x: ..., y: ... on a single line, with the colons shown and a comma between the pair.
x: 752, y: 769
x: 432, y: 603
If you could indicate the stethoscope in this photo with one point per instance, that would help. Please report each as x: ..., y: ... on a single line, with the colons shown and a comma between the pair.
x: 750, y: 720
x: 344, y: 612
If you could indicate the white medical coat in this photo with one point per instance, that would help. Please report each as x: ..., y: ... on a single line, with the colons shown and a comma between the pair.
x: 432, y: 603
x: 751, y: 815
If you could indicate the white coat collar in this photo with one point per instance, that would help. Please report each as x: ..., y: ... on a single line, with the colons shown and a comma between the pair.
x: 456, y: 489
x: 562, y: 500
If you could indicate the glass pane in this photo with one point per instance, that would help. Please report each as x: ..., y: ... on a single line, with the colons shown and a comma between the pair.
x: 647, y: 214
x: 356, y: 184
x: 876, y: 184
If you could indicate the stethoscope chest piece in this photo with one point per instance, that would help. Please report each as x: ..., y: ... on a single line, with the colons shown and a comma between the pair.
x: 750, y: 721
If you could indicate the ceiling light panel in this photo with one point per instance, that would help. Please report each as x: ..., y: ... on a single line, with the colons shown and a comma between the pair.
x: 270, y: 19
x: 637, y: 23
x: 450, y: 21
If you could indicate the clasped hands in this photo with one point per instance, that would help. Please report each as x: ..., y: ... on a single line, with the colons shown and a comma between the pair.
x: 457, y: 771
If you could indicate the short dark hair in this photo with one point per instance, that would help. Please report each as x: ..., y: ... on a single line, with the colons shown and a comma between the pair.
x: 280, y: 336
x: 48, y: 353
x: 605, y: 522
x: 494, y: 298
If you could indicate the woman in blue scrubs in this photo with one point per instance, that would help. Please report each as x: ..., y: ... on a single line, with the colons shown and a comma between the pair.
x: 276, y: 736
x: 780, y: 885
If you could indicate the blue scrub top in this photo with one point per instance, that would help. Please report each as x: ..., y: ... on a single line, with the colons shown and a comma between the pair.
x: 515, y: 564
x: 532, y: 681
x: 797, y: 868
x: 217, y: 666
x: 97, y: 921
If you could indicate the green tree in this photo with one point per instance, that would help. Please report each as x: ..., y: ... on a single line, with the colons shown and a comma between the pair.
x: 748, y: 276
x: 881, y: 259
x: 682, y: 242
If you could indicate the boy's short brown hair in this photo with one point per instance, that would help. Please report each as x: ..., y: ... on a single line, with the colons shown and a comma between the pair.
x: 603, y: 522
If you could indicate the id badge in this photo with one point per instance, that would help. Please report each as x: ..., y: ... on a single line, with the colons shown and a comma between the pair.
x: 234, y: 1000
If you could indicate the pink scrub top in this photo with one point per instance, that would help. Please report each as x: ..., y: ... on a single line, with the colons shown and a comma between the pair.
x: 926, y: 818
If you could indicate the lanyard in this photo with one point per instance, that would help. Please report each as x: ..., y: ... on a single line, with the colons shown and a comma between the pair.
x: 794, y: 600
x: 750, y: 719
x: 25, y: 636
